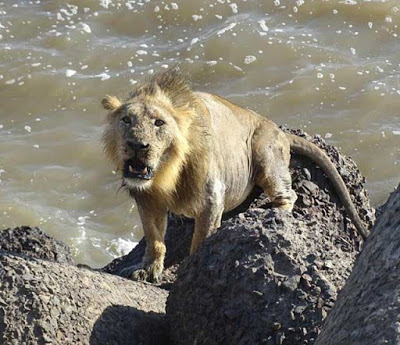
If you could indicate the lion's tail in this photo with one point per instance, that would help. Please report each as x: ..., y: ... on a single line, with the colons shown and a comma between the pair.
x: 304, y: 147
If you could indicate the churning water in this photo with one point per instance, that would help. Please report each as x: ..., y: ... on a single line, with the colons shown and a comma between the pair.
x: 329, y: 67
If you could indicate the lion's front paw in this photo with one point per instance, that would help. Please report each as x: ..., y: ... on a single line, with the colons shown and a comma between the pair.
x: 140, y: 275
x: 152, y: 273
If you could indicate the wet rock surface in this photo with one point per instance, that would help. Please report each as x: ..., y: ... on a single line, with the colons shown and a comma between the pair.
x: 269, y: 277
x: 368, y: 308
x: 43, y: 302
x: 34, y: 243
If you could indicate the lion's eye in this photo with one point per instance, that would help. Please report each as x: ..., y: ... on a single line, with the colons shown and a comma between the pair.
x: 159, y: 123
x: 126, y: 120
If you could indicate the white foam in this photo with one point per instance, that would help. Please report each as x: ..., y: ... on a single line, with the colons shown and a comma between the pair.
x: 70, y: 72
x: 249, y: 59
x: 122, y: 247
x: 105, y: 3
x: 263, y: 25
x: 82, y: 220
x: 103, y: 76
x: 196, y: 17
x: 348, y: 2
x: 229, y: 27
x: 85, y: 28
x: 234, y: 7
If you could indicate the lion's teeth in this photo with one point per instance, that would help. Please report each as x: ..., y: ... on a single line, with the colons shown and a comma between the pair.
x: 130, y: 169
x: 144, y: 171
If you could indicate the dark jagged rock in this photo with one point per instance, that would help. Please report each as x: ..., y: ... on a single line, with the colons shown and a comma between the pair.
x: 368, y: 308
x: 269, y: 277
x: 33, y: 242
x: 43, y: 302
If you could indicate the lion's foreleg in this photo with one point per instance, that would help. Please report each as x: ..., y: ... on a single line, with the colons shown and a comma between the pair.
x: 154, y: 226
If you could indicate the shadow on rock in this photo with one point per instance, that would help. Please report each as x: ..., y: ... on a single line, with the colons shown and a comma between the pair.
x: 123, y: 325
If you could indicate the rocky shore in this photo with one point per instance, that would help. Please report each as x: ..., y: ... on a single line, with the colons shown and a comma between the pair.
x: 265, y: 277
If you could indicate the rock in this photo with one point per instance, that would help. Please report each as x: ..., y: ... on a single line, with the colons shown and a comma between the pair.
x: 33, y: 242
x: 213, y: 299
x: 368, y: 308
x: 43, y: 302
x: 266, y: 276
x: 310, y: 187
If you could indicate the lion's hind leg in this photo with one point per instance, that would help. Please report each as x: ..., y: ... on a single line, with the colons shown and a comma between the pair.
x: 281, y: 193
x: 271, y: 153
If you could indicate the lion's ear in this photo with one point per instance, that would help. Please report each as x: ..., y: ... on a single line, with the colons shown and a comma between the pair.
x: 111, y: 103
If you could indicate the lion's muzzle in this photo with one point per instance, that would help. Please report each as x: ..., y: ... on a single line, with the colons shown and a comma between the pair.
x: 133, y: 168
x: 138, y: 145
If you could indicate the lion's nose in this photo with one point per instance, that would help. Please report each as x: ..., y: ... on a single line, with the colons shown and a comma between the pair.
x: 138, y: 145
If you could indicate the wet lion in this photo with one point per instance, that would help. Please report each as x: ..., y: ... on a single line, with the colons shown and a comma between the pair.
x: 199, y: 155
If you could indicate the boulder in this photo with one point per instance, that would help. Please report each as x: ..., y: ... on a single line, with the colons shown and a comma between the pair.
x: 367, y: 311
x: 43, y: 302
x: 267, y: 276
x: 33, y: 242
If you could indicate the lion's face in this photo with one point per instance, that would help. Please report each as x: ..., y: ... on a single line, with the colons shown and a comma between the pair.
x: 140, y: 138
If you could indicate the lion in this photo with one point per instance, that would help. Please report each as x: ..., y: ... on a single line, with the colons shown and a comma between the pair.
x: 197, y: 154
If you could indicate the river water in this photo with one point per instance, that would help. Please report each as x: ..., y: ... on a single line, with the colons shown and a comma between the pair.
x: 328, y: 67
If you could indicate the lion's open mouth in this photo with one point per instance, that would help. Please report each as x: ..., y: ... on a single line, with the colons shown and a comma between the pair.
x: 136, y: 169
